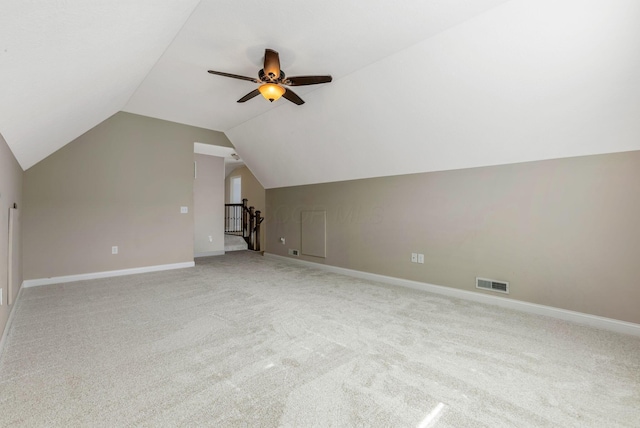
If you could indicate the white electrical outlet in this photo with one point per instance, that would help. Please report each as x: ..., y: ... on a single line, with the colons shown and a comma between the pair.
x: 210, y: 238
x: 421, y: 258
x: 414, y: 257
x: 114, y: 249
x: 184, y: 210
x: 293, y: 252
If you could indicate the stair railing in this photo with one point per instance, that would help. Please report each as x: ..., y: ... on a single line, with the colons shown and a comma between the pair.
x: 244, y: 221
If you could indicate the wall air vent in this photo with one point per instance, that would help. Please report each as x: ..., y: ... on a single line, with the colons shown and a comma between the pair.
x: 492, y: 285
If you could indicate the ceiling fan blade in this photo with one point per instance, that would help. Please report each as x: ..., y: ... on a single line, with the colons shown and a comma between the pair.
x: 307, y: 80
x: 271, y: 64
x: 250, y: 95
x: 234, y: 76
x: 291, y: 96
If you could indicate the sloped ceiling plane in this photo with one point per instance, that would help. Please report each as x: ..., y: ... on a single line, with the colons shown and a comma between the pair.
x: 418, y: 85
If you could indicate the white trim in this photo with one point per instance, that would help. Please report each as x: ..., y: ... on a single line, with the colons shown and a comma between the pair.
x: 106, y: 274
x: 213, y: 150
x: 610, y: 324
x: 5, y: 332
x: 209, y: 253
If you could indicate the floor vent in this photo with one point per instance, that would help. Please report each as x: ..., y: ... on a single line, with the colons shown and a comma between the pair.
x: 492, y: 285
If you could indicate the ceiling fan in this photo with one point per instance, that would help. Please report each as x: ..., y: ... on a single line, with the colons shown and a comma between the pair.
x: 272, y: 80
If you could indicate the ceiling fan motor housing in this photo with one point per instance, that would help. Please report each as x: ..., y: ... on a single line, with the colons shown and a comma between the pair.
x: 269, y: 78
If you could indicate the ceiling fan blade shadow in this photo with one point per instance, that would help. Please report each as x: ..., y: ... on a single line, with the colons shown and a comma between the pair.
x: 271, y: 64
x: 234, y: 76
x: 306, y: 80
x: 250, y: 95
x: 293, y: 97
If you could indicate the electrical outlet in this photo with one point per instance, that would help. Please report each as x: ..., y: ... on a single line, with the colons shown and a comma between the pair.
x: 293, y: 252
x: 114, y: 249
x: 282, y: 241
x: 184, y: 210
x: 210, y: 238
x: 421, y: 258
x: 414, y: 257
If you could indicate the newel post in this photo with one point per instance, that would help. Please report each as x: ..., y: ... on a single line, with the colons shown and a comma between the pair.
x: 252, y: 218
x: 244, y: 216
x: 258, y: 221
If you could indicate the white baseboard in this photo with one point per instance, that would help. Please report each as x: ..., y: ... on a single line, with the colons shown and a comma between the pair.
x: 519, y: 305
x: 107, y: 274
x: 209, y: 253
x: 5, y: 332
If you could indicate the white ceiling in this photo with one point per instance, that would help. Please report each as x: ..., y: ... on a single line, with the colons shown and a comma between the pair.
x: 330, y: 37
x: 419, y: 85
x: 67, y: 65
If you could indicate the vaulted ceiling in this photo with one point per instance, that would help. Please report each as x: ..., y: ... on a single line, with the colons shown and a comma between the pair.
x: 419, y: 85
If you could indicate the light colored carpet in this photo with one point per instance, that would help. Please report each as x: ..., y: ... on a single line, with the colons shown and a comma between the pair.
x: 241, y: 340
x: 234, y: 243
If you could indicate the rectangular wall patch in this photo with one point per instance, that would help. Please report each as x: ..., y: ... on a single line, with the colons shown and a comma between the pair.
x: 314, y: 233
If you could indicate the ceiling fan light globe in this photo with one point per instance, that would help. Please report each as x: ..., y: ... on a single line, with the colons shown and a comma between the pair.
x: 271, y: 91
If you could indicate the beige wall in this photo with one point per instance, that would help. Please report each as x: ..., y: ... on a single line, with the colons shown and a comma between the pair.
x: 11, y: 176
x: 208, y: 201
x: 564, y: 232
x: 121, y: 183
x: 253, y: 191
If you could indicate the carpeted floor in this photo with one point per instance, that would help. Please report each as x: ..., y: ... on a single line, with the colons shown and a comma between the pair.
x: 241, y: 340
